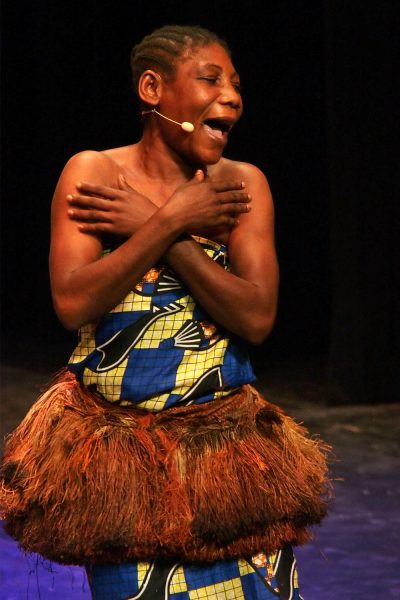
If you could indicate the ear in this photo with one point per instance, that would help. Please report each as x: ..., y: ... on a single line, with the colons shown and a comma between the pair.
x: 150, y: 87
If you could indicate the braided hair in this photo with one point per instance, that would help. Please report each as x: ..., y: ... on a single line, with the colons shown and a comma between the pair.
x: 161, y: 49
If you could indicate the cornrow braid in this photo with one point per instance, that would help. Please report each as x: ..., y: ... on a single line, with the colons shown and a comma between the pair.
x: 161, y: 49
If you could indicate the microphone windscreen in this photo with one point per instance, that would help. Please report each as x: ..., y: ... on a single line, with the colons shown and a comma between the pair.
x: 188, y: 127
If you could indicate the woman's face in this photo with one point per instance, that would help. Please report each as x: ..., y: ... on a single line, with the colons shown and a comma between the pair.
x: 206, y: 92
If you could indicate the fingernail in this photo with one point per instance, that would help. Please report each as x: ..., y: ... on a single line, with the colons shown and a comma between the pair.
x: 79, y: 185
x: 243, y: 184
x: 70, y: 212
x: 69, y: 197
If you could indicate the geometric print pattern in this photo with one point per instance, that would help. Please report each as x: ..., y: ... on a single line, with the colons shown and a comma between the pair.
x: 158, y: 348
x: 260, y: 578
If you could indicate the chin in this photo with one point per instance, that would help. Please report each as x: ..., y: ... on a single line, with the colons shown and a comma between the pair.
x: 209, y: 158
x: 214, y: 160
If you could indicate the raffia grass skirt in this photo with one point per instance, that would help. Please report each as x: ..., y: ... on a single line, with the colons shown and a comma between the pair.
x: 87, y: 482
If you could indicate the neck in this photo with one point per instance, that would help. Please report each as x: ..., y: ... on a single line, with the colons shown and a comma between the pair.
x: 161, y: 163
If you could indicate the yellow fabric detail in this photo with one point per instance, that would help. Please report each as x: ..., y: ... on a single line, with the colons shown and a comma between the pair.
x: 133, y: 302
x: 178, y: 582
x: 167, y: 326
x: 194, y: 364
x: 231, y: 589
x: 244, y: 567
x: 86, y: 344
x: 155, y: 403
x: 108, y: 383
x: 142, y: 569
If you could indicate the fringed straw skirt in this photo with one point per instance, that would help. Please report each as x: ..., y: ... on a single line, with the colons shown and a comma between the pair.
x: 87, y: 482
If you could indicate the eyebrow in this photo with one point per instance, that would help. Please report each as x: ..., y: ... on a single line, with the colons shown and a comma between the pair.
x: 234, y: 74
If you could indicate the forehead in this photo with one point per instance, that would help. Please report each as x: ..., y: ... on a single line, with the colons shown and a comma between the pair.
x: 212, y: 55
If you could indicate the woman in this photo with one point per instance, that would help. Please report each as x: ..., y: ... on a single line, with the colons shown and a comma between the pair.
x: 152, y: 461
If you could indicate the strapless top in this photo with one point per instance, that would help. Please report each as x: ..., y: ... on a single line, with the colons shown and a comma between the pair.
x: 159, y: 348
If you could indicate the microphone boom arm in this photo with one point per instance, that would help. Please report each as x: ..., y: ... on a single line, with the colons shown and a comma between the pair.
x: 186, y: 126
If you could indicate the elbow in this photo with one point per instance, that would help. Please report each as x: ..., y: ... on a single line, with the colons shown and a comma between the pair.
x: 67, y: 313
x: 259, y: 329
x: 68, y: 320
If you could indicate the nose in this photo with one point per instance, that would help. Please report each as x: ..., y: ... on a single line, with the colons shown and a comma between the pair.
x: 230, y: 96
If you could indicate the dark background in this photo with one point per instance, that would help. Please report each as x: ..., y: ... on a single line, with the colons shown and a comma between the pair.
x: 319, y: 92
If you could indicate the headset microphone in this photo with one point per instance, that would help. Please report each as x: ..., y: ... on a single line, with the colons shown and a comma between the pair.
x: 186, y: 126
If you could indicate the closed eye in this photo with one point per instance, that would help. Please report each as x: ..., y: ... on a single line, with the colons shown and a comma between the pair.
x: 214, y: 80
x: 210, y: 79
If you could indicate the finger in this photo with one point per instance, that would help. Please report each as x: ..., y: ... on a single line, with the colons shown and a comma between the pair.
x: 97, y: 190
x: 95, y: 227
x: 199, y: 175
x: 123, y: 184
x: 235, y: 209
x: 225, y: 186
x: 87, y: 216
x: 89, y: 202
x: 229, y: 197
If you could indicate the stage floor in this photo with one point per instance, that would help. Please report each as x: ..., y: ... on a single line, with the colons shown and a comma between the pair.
x: 355, y: 552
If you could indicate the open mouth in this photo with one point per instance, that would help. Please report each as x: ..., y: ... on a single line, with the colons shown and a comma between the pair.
x: 218, y: 128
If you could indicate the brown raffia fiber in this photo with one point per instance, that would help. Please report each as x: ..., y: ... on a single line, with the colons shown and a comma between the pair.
x: 84, y: 481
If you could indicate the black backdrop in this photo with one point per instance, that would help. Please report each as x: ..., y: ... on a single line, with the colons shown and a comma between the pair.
x: 319, y: 95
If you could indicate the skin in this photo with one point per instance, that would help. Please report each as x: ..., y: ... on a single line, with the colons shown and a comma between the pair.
x: 154, y: 194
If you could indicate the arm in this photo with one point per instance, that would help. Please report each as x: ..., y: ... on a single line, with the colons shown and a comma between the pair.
x: 86, y: 286
x: 245, y: 299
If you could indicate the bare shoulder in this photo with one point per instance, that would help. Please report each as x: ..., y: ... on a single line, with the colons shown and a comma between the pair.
x: 88, y: 166
x: 259, y: 221
x: 249, y: 173
x: 255, y: 181
x: 92, y: 163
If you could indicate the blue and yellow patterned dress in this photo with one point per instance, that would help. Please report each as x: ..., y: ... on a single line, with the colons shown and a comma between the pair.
x: 157, y: 349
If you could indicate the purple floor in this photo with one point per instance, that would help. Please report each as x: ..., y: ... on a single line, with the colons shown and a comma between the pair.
x: 355, y: 554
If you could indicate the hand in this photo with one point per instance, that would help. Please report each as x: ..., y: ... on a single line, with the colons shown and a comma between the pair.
x: 207, y: 204
x: 107, y: 210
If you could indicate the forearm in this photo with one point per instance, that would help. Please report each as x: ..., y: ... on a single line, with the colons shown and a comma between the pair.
x: 241, y: 306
